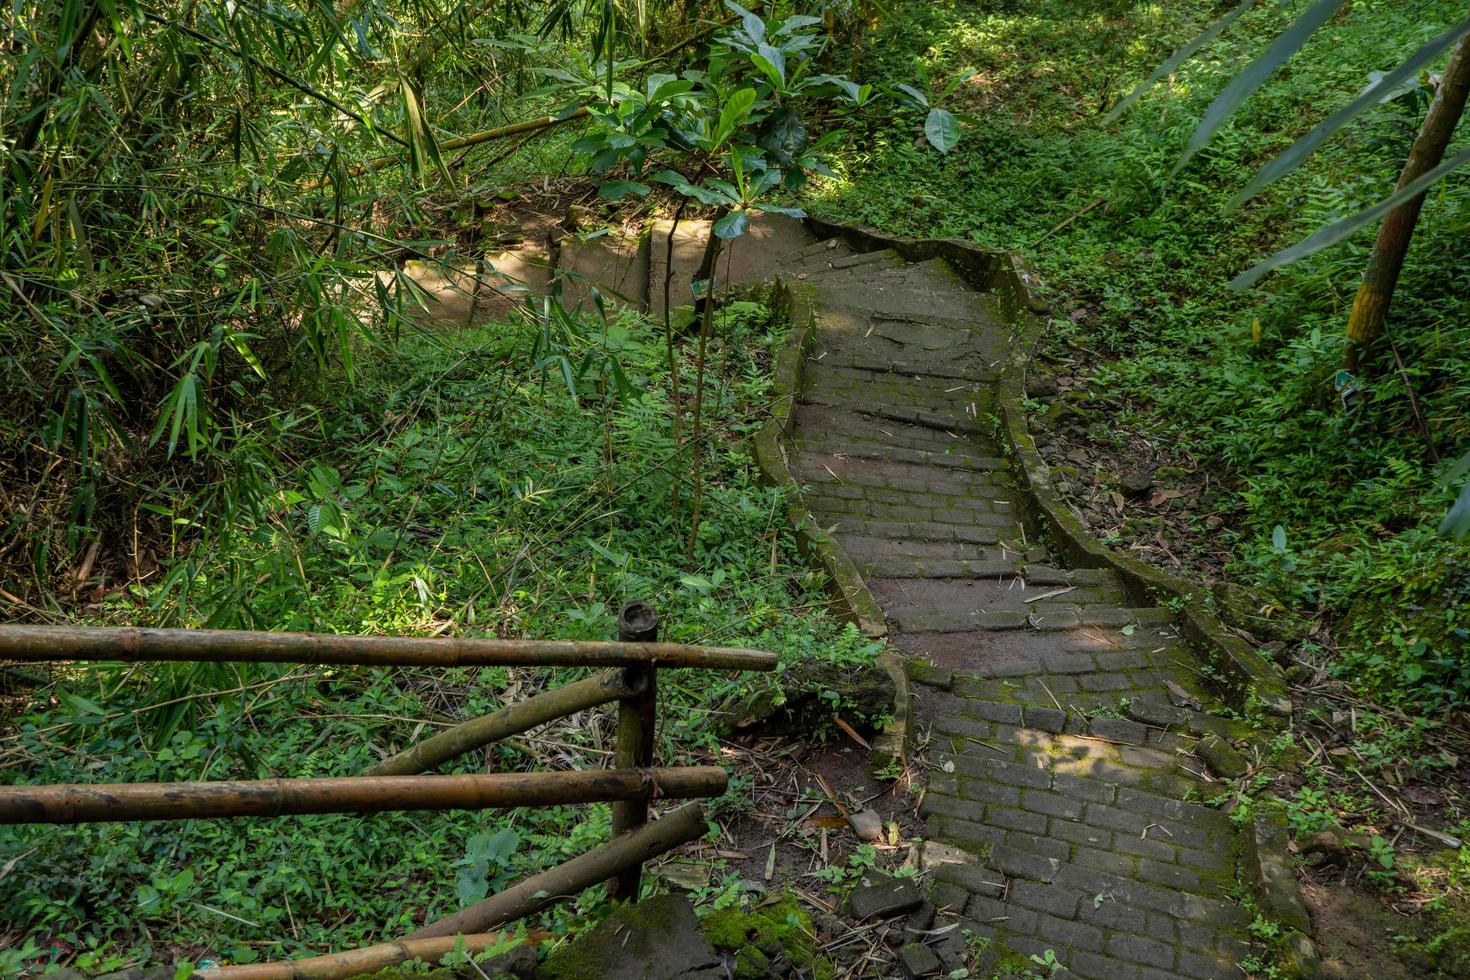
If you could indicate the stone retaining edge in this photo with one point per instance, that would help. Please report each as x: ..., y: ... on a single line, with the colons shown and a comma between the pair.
x: 1267, y: 865
x: 889, y: 746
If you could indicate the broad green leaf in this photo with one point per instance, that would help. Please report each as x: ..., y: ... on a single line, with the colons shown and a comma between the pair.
x: 796, y: 23
x: 1180, y: 57
x: 732, y: 225
x: 783, y: 136
x: 754, y: 26
x: 734, y: 112
x: 1350, y: 225
x: 919, y: 97
x: 789, y: 212
x: 1244, y: 85
x: 774, y: 58
x: 616, y: 190
x: 956, y: 82
x: 1371, y: 96
x: 942, y: 129
x: 773, y: 75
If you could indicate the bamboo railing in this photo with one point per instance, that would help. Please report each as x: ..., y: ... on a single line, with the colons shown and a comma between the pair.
x: 401, y: 782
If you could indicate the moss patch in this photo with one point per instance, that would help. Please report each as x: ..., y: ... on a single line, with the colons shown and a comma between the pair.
x: 781, y: 929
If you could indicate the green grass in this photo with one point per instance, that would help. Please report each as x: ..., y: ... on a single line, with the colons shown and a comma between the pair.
x: 451, y: 490
x: 1139, y: 280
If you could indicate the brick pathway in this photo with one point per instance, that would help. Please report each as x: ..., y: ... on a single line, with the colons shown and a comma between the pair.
x: 1060, y: 719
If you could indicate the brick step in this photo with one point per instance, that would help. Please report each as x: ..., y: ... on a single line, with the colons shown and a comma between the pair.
x: 914, y: 530
x: 957, y: 423
x: 901, y: 505
x: 929, y: 398
x: 1064, y: 616
x: 909, y: 567
x: 916, y: 293
x: 825, y: 444
x: 828, y: 508
x: 862, y: 548
x: 833, y: 248
x: 894, y: 475
x: 852, y: 420
x: 824, y: 267
x: 973, y: 367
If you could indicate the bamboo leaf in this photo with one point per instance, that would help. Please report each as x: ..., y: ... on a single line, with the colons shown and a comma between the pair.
x: 1244, y: 85
x: 1456, y: 523
x: 1348, y: 226
x: 1371, y: 96
x: 1179, y: 57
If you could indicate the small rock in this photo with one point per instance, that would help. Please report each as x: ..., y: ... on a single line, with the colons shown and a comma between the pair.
x: 1157, y: 714
x: 1327, y: 845
x: 883, y: 898
x: 1041, y: 386
x: 1136, y: 483
x: 1222, y: 757
x: 919, y: 921
x: 1299, y: 959
x: 867, y: 825
x: 918, y: 960
x: 929, y: 674
x: 1301, y: 674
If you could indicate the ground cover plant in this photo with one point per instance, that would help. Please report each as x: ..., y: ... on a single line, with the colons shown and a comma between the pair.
x: 453, y: 488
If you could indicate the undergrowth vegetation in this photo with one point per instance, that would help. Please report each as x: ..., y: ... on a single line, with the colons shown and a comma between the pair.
x: 1331, y: 504
x: 449, y: 489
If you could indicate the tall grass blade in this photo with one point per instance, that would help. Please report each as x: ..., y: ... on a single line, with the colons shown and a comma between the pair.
x: 1350, y: 225
x: 1302, y: 148
x: 1244, y: 85
x: 1179, y: 58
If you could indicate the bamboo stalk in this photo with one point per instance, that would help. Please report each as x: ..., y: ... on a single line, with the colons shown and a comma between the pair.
x: 366, y: 959
x: 35, y: 644
x: 70, y: 803
x: 569, y: 879
x: 637, y: 716
x: 512, y: 720
x: 473, y: 139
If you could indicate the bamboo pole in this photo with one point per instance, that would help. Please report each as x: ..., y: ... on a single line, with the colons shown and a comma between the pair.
x: 569, y: 879
x: 473, y: 139
x: 1391, y: 248
x: 637, y: 717
x: 35, y: 644
x: 366, y: 959
x: 512, y: 720
x: 351, y: 794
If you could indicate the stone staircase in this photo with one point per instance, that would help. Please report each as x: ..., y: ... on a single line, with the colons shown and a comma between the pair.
x: 1064, y: 797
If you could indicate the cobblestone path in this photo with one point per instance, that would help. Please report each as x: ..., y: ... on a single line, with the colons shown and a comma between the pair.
x: 1060, y: 720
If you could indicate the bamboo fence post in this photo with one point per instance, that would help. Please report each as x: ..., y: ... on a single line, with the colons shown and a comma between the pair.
x: 40, y: 644
x: 569, y: 879
x: 365, y: 959
x: 349, y: 794
x: 637, y: 718
x: 510, y: 720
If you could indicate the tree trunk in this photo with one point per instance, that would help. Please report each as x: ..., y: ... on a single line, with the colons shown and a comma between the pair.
x: 1370, y: 309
